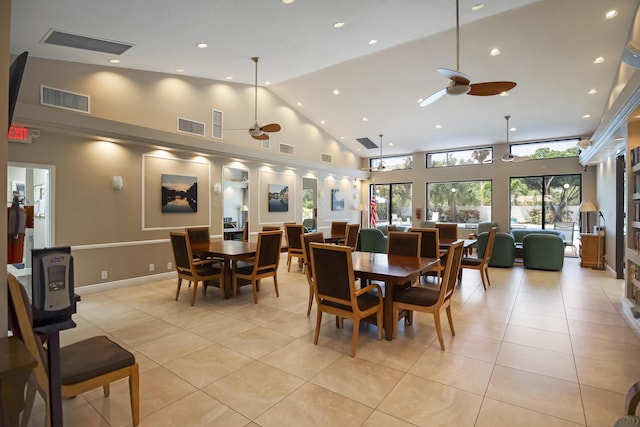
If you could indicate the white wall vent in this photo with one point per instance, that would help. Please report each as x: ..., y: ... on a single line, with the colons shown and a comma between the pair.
x: 64, y: 99
x: 326, y: 158
x: 190, y: 126
x: 216, y: 123
x: 265, y: 144
x: 287, y: 149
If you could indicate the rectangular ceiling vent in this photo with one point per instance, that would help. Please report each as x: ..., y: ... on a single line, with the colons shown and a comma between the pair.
x: 287, y: 149
x: 367, y: 143
x: 265, y: 144
x: 64, y: 99
x: 190, y: 126
x: 326, y: 158
x: 60, y: 38
x: 216, y: 124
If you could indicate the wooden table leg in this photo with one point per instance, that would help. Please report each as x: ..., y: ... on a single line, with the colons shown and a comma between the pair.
x: 387, y: 318
x: 228, y: 271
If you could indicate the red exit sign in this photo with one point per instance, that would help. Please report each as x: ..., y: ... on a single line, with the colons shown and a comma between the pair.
x: 17, y: 134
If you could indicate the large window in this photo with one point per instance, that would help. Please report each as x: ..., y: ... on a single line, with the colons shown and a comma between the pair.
x: 393, y: 203
x: 547, y: 149
x: 542, y: 201
x: 461, y: 202
x: 459, y: 157
x: 391, y: 163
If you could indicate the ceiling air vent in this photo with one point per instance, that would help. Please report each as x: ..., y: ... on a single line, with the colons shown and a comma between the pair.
x: 367, y: 143
x: 60, y: 38
x: 64, y: 99
x: 190, y: 126
x: 287, y: 149
x: 265, y: 144
x: 326, y: 158
x: 216, y: 124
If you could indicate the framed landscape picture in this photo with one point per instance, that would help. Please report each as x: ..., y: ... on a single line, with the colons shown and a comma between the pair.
x: 278, y: 198
x: 337, y: 199
x: 179, y: 193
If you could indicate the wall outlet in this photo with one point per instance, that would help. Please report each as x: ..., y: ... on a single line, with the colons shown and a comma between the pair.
x: 169, y: 266
x: 104, y: 274
x: 152, y: 267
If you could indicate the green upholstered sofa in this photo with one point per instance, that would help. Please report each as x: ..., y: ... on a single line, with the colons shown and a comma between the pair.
x: 543, y: 251
x: 519, y: 234
x: 372, y: 240
x: 504, y: 249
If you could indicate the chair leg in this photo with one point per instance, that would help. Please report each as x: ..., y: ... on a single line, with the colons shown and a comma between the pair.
x: 394, y: 331
x: 318, y: 323
x: 275, y: 284
x: 254, y: 285
x: 106, y: 390
x: 28, y: 403
x: 486, y: 273
x: 195, y: 292
x: 354, y: 337
x: 380, y: 322
x: 436, y: 320
x: 179, y: 285
x: 288, y: 262
x: 310, y: 301
x: 450, y: 319
x: 134, y: 394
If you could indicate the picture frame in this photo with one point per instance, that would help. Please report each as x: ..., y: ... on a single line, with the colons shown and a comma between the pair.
x: 278, y: 198
x: 179, y: 193
x: 337, y: 199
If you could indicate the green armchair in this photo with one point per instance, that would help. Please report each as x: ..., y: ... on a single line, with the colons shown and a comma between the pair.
x: 372, y: 240
x: 504, y: 249
x: 543, y: 252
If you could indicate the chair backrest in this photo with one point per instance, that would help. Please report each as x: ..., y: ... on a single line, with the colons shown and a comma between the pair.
x: 181, y: 251
x: 430, y: 242
x: 567, y: 229
x: 245, y: 231
x: 352, y: 235
x: 372, y: 240
x: 21, y: 324
x: 268, y: 250
x: 333, y: 272
x: 486, y: 226
x: 450, y: 275
x: 292, y: 233
x: 448, y: 231
x: 306, y: 239
x: 392, y: 227
x: 198, y: 234
x: 401, y: 243
x: 339, y: 228
x: 490, y: 242
x: 270, y: 227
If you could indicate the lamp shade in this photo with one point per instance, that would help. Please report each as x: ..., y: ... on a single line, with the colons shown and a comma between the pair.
x: 587, y: 206
x: 243, y: 208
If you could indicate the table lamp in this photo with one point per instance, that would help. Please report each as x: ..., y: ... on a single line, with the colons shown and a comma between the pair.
x: 586, y: 207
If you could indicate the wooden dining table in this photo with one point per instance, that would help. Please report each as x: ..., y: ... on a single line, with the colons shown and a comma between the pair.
x: 228, y: 251
x: 335, y: 238
x: 393, y: 270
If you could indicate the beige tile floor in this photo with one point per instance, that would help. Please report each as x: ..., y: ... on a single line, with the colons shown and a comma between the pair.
x: 537, y: 348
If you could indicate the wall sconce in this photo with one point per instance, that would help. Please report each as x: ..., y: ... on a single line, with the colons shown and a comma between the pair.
x: 217, y: 188
x: 117, y: 182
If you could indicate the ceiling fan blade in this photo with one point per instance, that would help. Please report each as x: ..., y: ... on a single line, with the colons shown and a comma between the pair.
x: 490, y: 88
x: 433, y: 97
x: 262, y: 136
x: 271, y: 127
x: 456, y: 76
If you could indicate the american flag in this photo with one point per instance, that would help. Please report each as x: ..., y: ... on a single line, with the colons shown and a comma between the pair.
x: 372, y: 211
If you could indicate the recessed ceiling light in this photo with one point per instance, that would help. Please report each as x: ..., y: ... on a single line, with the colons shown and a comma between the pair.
x: 229, y: 78
x: 114, y: 61
x: 342, y: 137
x: 390, y: 144
x: 611, y: 14
x: 287, y: 1
x: 495, y: 51
x: 599, y: 60
x: 202, y: 45
x: 267, y: 82
x: 586, y: 116
x: 373, y: 41
x: 322, y: 122
x: 419, y: 101
x: 338, y: 25
x: 438, y: 126
x: 179, y: 70
x: 336, y: 92
x: 477, y: 7
x: 513, y: 129
x: 299, y: 104
x: 364, y: 119
x: 592, y: 92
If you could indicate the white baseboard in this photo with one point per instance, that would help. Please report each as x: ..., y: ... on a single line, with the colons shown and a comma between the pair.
x: 100, y: 287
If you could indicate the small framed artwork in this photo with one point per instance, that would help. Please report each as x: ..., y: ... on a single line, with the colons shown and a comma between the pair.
x: 179, y: 193
x: 337, y: 199
x: 278, y: 198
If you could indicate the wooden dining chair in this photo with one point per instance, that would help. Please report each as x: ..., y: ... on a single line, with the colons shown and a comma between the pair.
x: 194, y: 270
x: 430, y: 248
x: 198, y: 235
x: 481, y: 264
x: 270, y: 227
x: 263, y: 264
x: 426, y: 300
x: 245, y: 231
x: 306, y: 239
x: 448, y: 231
x: 292, y: 233
x: 339, y: 228
x: 401, y: 243
x: 351, y: 236
x: 336, y: 292
x: 85, y: 365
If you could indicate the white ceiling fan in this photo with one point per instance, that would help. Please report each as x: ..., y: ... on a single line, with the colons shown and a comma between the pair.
x: 460, y: 82
x: 381, y: 165
x: 509, y: 158
x: 257, y: 131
